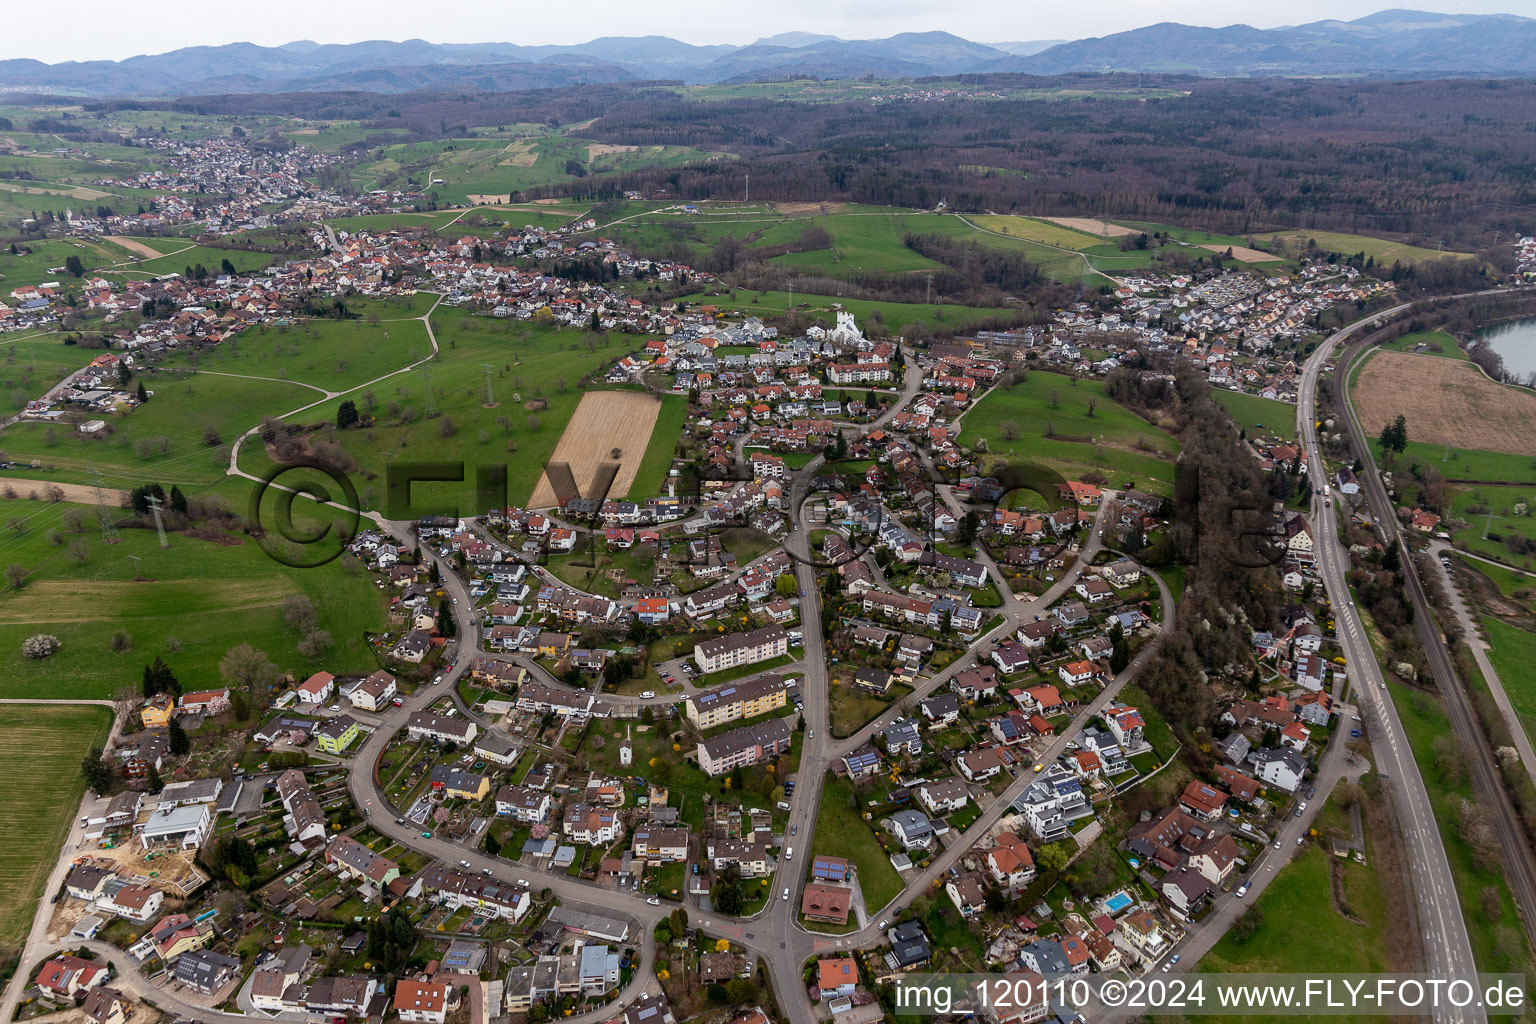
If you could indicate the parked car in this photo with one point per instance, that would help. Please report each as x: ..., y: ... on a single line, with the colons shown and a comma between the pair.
x: 648, y: 695
x: 1242, y: 890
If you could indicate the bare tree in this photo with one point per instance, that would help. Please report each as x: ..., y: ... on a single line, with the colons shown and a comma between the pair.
x: 124, y: 699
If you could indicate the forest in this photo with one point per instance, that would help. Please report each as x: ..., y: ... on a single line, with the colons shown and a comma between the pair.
x: 1428, y: 162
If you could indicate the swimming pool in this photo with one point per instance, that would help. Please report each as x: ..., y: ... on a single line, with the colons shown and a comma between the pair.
x: 1118, y: 902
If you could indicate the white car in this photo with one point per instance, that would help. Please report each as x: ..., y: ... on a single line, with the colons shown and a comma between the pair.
x: 785, y: 896
x: 334, y: 707
x: 653, y: 901
x: 523, y: 882
x: 648, y: 694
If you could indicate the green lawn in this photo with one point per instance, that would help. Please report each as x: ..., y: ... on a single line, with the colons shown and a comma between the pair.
x: 30, y: 366
x: 841, y: 832
x: 208, y: 596
x: 1434, y: 343
x: 1513, y: 653
x: 455, y: 170
x: 863, y: 240
x: 1497, y: 945
x: 651, y: 477
x: 182, y: 257
x: 1474, y: 502
x: 1257, y: 415
x: 1466, y: 463
x: 1111, y: 440
x: 530, y: 365
x: 36, y: 262
x: 1384, y: 251
x: 172, y: 424
x: 1303, y: 930
x: 40, y: 783
x: 336, y: 355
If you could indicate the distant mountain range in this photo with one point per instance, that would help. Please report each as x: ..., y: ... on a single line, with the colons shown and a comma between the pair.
x: 1395, y: 44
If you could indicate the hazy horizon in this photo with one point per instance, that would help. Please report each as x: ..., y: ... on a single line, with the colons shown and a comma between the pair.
x: 34, y: 32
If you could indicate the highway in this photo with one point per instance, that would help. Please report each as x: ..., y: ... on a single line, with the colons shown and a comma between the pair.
x: 1448, y: 951
x: 1518, y: 861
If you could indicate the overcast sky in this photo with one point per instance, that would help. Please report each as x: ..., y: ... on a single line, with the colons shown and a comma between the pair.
x: 105, y: 29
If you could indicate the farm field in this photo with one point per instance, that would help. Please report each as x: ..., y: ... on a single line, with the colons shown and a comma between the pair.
x: 1385, y: 252
x: 207, y: 595
x: 1257, y: 415
x: 1111, y: 439
x: 535, y: 378
x: 896, y: 315
x: 480, y: 169
x: 607, y: 426
x: 871, y: 241
x: 1087, y: 225
x: 1051, y: 233
x: 40, y: 752
x: 1087, y: 267
x: 1513, y: 653
x: 1447, y: 402
x: 329, y: 137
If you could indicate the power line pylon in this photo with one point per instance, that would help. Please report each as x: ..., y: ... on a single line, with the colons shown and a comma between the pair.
x: 103, y: 514
x: 154, y: 509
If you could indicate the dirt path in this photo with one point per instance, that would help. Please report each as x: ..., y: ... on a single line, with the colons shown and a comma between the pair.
x: 78, y: 493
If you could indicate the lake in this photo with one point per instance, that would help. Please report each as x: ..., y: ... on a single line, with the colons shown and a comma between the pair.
x: 1515, y: 342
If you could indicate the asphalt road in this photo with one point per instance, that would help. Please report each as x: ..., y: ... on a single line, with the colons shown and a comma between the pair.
x: 1518, y: 861
x: 1479, y: 651
x: 1447, y: 949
